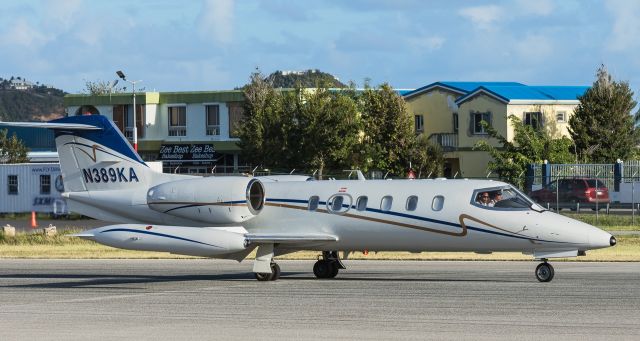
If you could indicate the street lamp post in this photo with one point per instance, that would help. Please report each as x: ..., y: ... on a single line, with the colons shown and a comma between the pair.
x: 135, y: 127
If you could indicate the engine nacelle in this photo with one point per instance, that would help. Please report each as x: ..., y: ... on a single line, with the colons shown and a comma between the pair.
x: 215, y: 200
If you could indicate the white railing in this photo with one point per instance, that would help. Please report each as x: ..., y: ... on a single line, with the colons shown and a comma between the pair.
x: 445, y: 140
x: 177, y: 131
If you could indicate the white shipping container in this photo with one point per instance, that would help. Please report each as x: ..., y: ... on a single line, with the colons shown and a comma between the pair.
x: 30, y: 187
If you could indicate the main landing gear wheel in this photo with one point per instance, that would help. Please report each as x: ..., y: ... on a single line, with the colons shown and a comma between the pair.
x: 328, y: 266
x: 274, y: 275
x: 325, y: 269
x: 544, y: 272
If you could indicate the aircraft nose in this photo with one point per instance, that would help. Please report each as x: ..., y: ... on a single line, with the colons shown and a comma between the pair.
x: 600, y: 239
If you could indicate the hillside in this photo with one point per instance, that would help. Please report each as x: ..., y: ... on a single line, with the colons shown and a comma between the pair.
x: 23, y: 101
x: 306, y: 79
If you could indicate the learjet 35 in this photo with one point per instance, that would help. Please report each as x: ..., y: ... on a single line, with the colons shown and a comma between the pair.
x: 228, y: 217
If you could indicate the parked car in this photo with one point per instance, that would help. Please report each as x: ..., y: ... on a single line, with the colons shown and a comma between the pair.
x: 577, y: 190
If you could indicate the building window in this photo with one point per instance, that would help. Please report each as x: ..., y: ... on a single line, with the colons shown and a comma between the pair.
x: 236, y: 115
x: 124, y: 121
x: 213, y: 119
x: 533, y: 119
x: 12, y: 181
x: 561, y: 116
x: 419, y: 123
x: 45, y: 184
x: 478, y: 117
x: 178, y: 121
x: 455, y: 123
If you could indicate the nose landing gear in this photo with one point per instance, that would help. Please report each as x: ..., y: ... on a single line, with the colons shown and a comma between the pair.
x: 274, y: 275
x: 544, y: 271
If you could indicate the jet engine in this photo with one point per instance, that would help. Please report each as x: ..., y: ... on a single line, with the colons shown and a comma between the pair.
x: 215, y: 200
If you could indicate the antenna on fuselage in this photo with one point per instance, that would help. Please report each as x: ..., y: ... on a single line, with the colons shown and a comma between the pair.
x: 358, y: 173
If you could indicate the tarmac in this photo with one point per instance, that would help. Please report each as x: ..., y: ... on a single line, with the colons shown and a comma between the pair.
x: 399, y: 300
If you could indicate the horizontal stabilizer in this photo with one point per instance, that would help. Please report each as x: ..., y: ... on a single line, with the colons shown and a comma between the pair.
x: 289, y: 238
x: 48, y: 125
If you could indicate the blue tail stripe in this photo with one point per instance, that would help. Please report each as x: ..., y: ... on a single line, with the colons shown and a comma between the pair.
x: 109, y: 136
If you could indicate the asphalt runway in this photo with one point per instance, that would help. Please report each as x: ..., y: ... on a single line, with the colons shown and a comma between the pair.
x: 392, y: 300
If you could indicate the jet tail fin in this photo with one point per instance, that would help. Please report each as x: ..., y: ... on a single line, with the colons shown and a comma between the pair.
x: 94, y: 155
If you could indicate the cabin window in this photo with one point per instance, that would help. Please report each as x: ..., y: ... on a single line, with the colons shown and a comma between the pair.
x: 336, y: 203
x: 313, y: 203
x: 386, y: 203
x: 339, y: 203
x: 412, y: 203
x: 361, y: 203
x: 12, y: 182
x: 438, y: 203
x: 45, y: 184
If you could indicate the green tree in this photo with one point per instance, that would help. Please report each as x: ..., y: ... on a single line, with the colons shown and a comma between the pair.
x: 262, y: 110
x: 101, y: 87
x: 387, y: 134
x: 529, y: 145
x: 12, y: 150
x: 426, y: 158
x: 297, y: 128
x: 330, y: 125
x: 602, y: 125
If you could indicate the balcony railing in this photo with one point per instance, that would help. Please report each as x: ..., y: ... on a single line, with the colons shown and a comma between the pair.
x: 448, y: 141
x: 177, y: 131
x: 213, y: 130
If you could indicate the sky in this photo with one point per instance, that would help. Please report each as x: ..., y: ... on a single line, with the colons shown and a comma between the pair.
x: 201, y: 45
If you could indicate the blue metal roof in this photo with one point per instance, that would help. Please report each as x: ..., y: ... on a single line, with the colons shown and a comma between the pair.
x: 34, y: 139
x: 533, y: 93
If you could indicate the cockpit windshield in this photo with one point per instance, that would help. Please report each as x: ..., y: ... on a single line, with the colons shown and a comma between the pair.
x: 503, y: 198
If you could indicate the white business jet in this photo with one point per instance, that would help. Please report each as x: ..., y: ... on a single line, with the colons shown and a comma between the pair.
x: 230, y: 216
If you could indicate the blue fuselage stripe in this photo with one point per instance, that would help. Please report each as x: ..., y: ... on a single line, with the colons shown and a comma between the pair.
x: 430, y: 220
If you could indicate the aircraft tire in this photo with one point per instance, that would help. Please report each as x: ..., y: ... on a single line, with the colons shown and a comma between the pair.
x: 275, y: 272
x: 262, y: 277
x: 334, y: 269
x: 544, y: 272
x: 322, y: 269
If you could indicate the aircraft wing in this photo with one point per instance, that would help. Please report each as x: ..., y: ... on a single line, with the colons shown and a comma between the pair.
x: 286, y: 238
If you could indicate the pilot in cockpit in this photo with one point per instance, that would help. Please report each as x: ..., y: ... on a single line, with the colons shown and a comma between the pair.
x: 495, y: 198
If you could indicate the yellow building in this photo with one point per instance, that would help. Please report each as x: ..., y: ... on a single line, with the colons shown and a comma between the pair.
x: 449, y: 113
